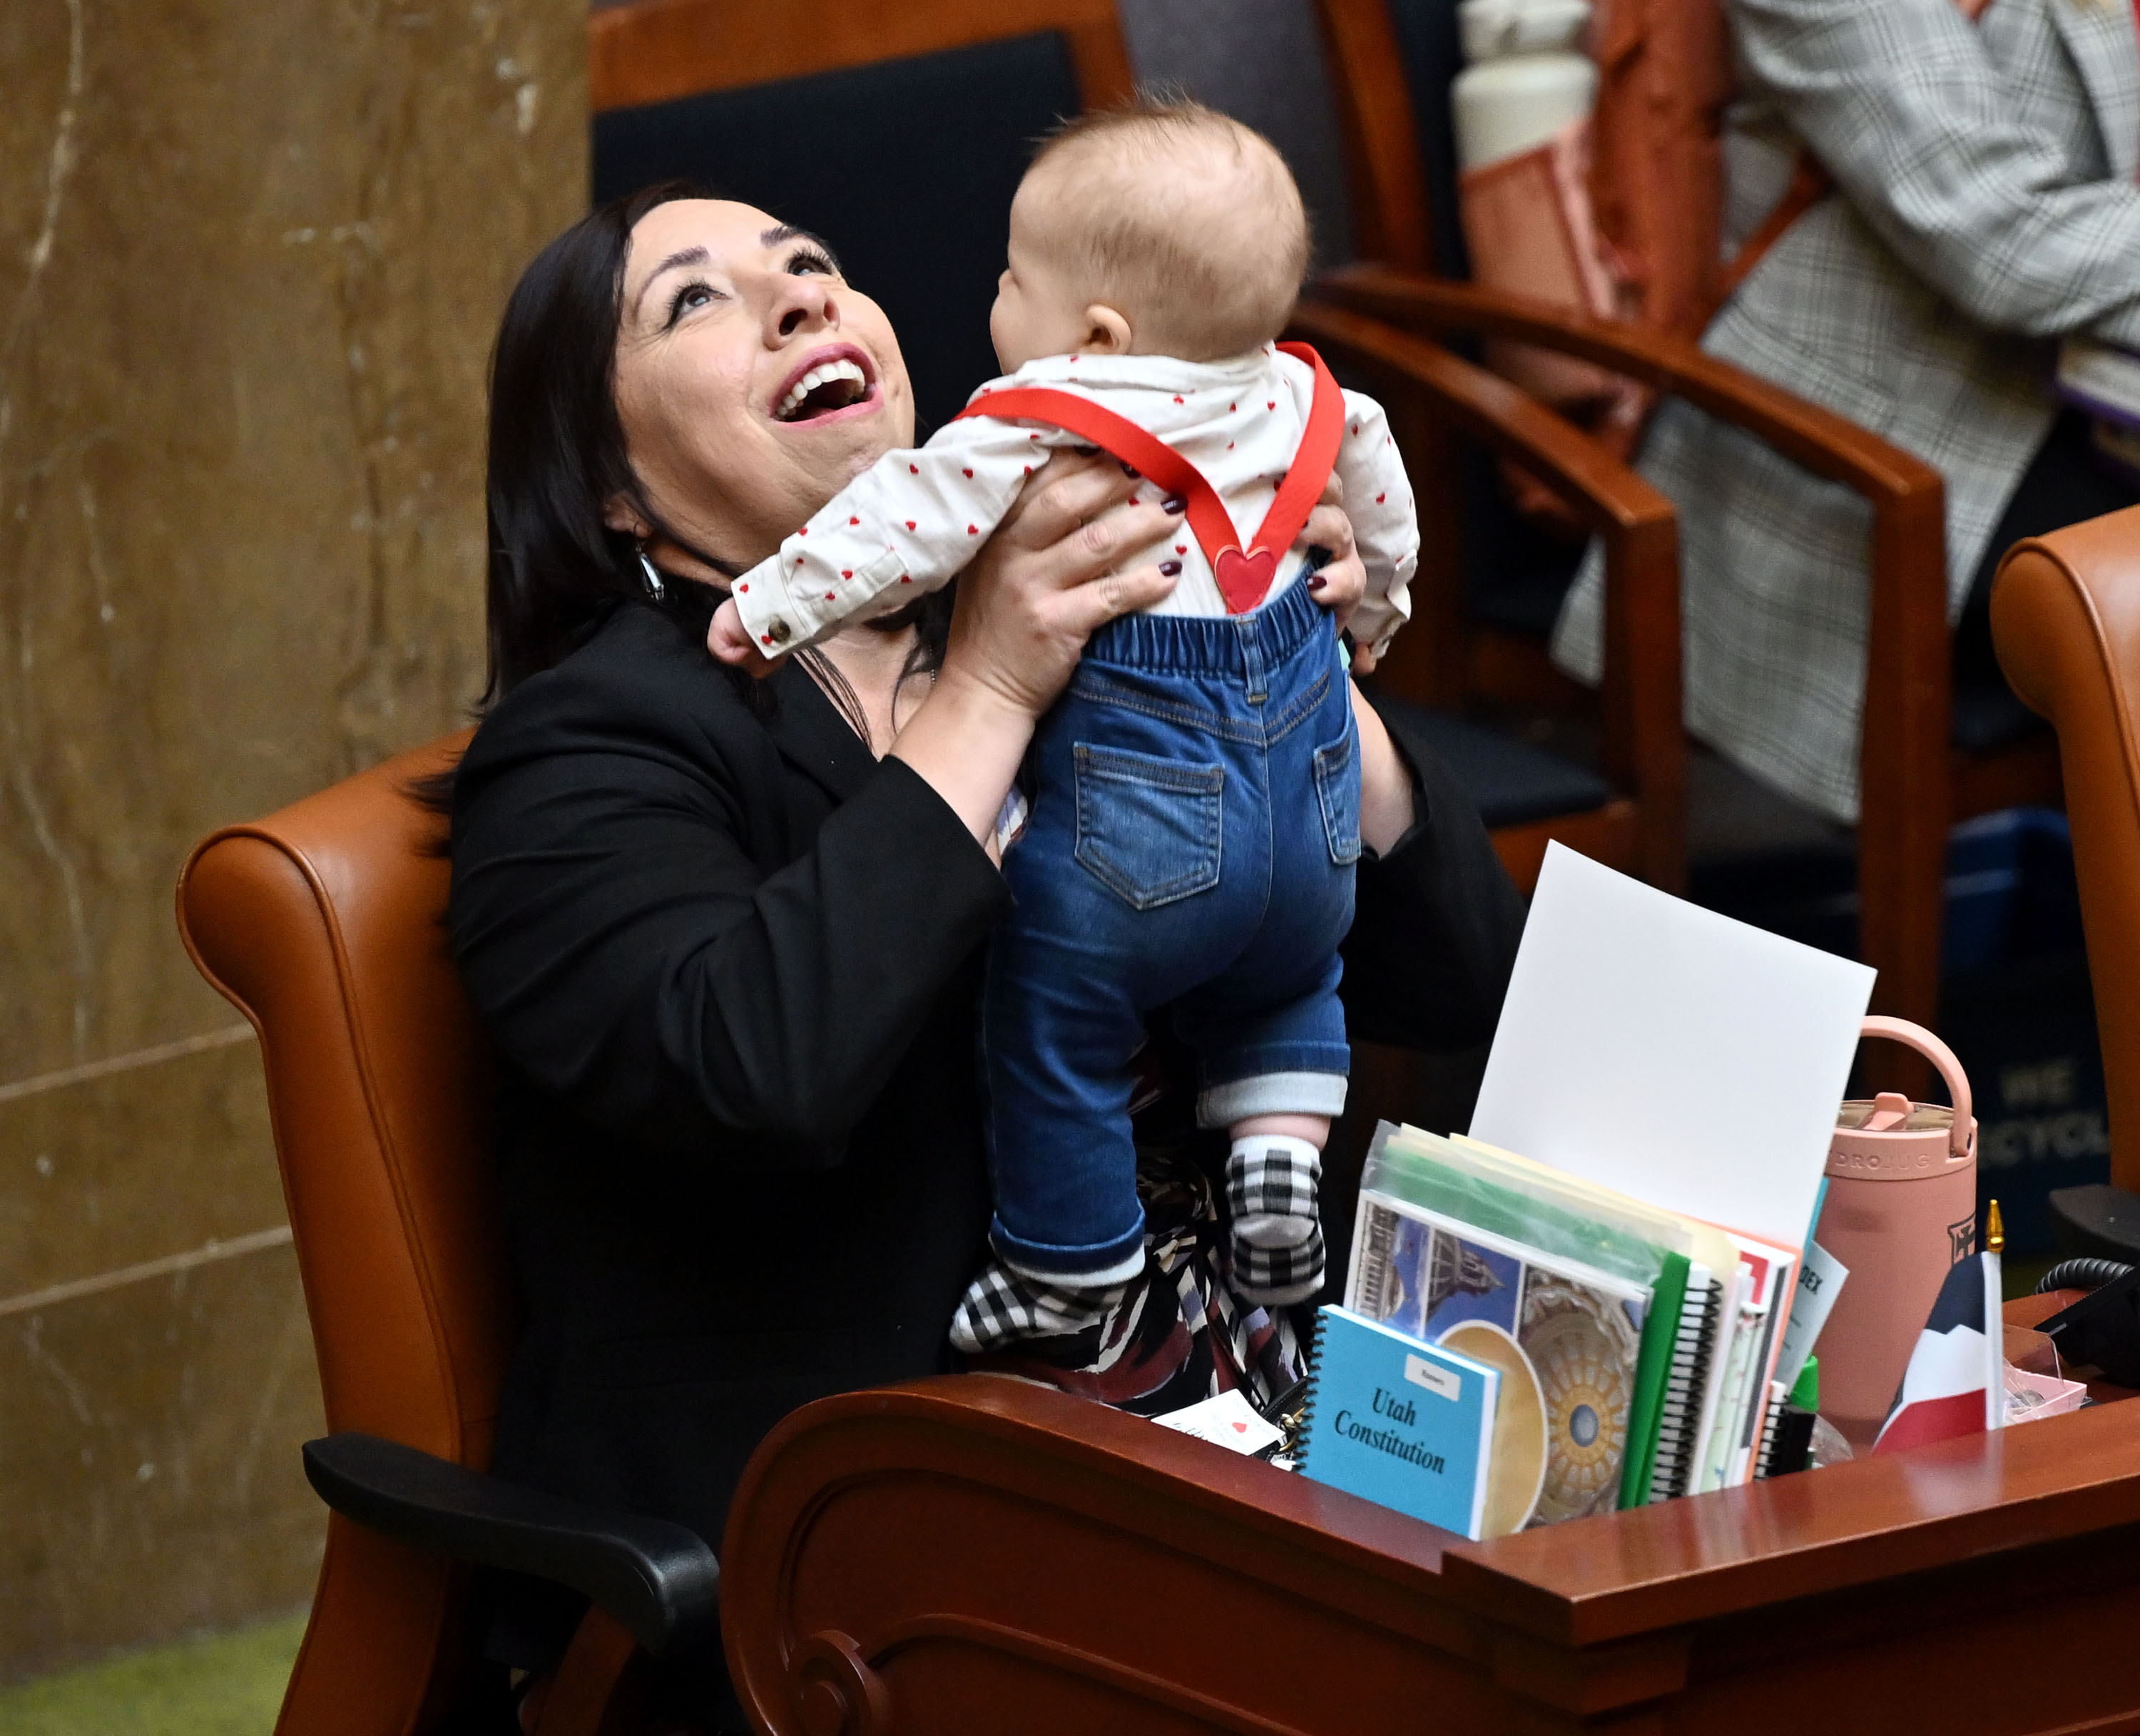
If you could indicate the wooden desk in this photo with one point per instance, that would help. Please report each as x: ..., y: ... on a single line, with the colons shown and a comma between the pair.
x: 975, y: 1554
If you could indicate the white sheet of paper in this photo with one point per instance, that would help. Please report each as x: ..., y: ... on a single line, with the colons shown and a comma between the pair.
x: 1229, y: 1420
x: 1671, y: 1052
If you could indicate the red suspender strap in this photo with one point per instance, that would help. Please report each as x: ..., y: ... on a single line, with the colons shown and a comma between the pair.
x: 1149, y: 454
x: 1244, y: 580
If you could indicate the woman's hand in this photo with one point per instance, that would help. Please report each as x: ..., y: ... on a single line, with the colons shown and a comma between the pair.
x: 1045, y: 582
x: 1342, y: 581
x: 1042, y: 584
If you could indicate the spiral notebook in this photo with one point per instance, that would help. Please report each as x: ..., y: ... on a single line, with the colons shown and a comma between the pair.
x: 1395, y: 1420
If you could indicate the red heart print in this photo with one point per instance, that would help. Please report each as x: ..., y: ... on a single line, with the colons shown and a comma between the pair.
x: 1229, y: 445
x: 1272, y: 405
x: 846, y: 572
x: 1032, y: 437
x: 798, y: 560
x: 742, y: 587
x: 1028, y: 471
x: 1241, y: 1427
x: 1233, y: 407
x: 973, y: 529
x: 1177, y: 397
x: 1073, y: 358
x: 1181, y: 548
x: 765, y: 639
x: 1356, y: 428
x: 1243, y: 579
x: 966, y: 473
x: 904, y: 580
x: 854, y: 521
x: 804, y: 531
x: 910, y: 524
x: 828, y: 596
x: 1380, y: 498
x: 914, y: 470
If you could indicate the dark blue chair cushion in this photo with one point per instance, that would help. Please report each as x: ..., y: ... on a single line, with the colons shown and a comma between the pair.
x: 906, y: 168
x: 1988, y: 717
x: 1513, y: 782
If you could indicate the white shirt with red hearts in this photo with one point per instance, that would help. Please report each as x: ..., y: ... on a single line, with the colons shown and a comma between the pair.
x: 916, y: 518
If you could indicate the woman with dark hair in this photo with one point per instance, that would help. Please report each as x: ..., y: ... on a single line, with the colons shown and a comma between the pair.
x: 725, y: 934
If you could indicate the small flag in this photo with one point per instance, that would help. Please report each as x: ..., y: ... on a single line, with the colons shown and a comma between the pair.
x: 1954, y: 1384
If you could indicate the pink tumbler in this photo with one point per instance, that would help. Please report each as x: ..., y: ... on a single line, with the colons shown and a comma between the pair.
x: 1900, y: 1210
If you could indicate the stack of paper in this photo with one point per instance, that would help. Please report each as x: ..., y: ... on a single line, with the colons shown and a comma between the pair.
x: 1670, y: 1079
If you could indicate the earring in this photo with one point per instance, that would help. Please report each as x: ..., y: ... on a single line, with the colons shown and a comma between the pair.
x: 653, y: 575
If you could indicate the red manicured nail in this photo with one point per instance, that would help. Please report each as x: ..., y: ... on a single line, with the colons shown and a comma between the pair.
x: 1172, y: 569
x: 1318, y: 582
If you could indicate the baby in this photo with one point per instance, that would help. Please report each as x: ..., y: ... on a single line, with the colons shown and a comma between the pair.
x: 1195, y: 813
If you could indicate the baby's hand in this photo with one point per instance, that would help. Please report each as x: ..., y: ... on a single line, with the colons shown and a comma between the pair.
x: 729, y: 641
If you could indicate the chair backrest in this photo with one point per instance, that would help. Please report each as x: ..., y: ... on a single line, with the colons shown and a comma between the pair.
x: 324, y: 924
x: 898, y: 132
x: 2065, y: 616
x: 1391, y: 64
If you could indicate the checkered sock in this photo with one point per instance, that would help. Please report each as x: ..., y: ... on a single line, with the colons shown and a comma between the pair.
x: 1003, y: 1307
x: 1277, y: 1244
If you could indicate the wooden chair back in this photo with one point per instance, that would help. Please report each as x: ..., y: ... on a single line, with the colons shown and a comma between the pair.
x: 657, y: 50
x: 324, y: 924
x: 2065, y: 615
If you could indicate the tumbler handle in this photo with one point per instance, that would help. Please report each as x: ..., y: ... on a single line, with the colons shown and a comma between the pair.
x: 1915, y: 1037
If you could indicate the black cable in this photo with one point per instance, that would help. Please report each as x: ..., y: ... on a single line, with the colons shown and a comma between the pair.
x: 2088, y: 1274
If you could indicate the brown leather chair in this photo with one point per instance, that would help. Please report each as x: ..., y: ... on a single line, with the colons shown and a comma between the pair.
x: 324, y: 924
x: 2065, y: 615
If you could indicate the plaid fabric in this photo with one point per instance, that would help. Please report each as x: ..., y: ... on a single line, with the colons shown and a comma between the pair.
x: 1988, y: 205
x: 1178, y: 1333
x: 1275, y: 1181
x: 1002, y: 1305
x: 1279, y: 1276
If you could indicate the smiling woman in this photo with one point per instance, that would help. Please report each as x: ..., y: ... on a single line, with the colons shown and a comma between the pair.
x: 725, y: 935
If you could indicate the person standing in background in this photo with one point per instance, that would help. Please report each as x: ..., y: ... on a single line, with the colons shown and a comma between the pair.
x: 1986, y: 205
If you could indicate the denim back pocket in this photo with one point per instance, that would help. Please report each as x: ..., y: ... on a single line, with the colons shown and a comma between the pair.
x: 1337, y: 788
x: 1148, y: 829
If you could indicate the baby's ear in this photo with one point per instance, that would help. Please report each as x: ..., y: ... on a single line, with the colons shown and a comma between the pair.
x: 1107, y: 332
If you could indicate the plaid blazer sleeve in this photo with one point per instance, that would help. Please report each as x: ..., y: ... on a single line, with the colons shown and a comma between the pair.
x: 1944, y: 152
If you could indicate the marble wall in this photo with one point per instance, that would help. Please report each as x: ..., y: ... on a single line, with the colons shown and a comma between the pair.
x: 252, y: 254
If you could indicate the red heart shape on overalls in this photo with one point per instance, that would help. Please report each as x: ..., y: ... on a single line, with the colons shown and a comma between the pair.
x: 1244, y: 580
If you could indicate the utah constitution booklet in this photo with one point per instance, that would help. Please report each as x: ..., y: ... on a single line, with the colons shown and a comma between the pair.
x: 1402, y: 1422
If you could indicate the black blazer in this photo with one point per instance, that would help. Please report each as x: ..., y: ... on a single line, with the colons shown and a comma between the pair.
x: 730, y: 964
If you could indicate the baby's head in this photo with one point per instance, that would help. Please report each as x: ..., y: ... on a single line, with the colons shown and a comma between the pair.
x: 1159, y: 229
